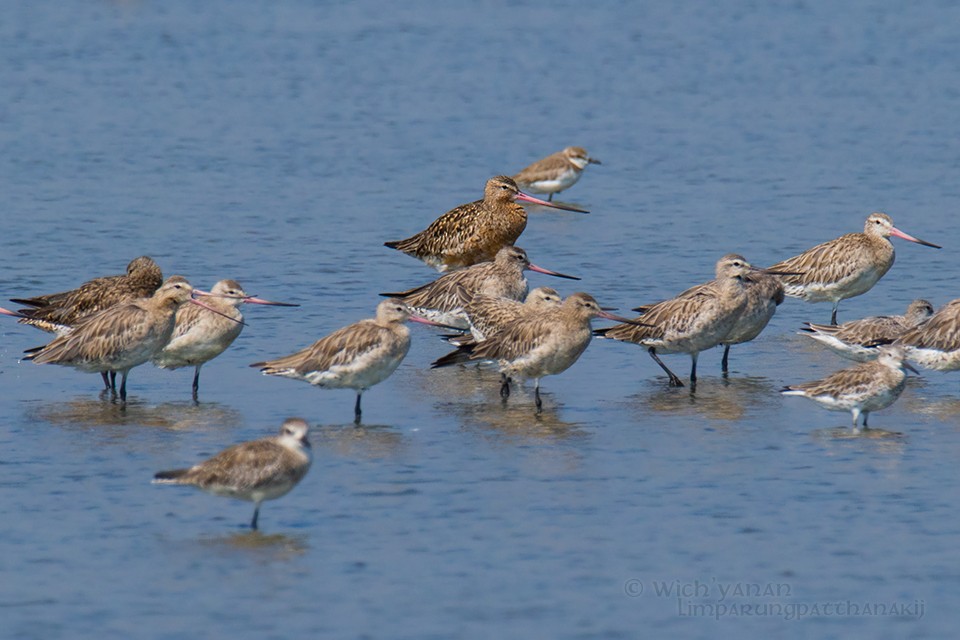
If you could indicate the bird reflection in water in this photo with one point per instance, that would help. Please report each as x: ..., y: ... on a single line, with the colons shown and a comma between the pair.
x: 262, y: 546
x: 87, y: 412
x: 366, y: 441
x: 729, y: 399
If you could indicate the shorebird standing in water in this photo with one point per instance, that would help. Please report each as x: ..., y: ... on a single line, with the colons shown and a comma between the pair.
x: 254, y: 471
x: 698, y: 319
x: 488, y: 314
x: 935, y: 344
x: 845, y: 267
x: 860, y: 389
x: 444, y: 299
x: 58, y: 312
x: 201, y: 336
x: 556, y: 172
x: 120, y: 337
x: 858, y: 339
x: 476, y: 231
x: 536, y: 346
x: 356, y: 357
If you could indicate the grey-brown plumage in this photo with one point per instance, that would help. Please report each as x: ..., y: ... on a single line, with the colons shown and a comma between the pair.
x: 255, y: 471
x: 556, y: 172
x: 858, y: 339
x: 536, y: 346
x: 860, y: 389
x: 58, y: 312
x: 443, y: 300
x: 357, y: 356
x: 698, y: 319
x: 488, y: 314
x: 200, y: 335
x: 845, y: 267
x: 935, y: 344
x: 473, y: 232
x: 764, y: 294
x: 120, y: 337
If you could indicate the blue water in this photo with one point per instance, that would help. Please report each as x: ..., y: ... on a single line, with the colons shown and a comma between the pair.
x: 281, y: 143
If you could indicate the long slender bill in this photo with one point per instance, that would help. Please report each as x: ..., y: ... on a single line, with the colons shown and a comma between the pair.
x: 433, y: 324
x: 7, y: 312
x: 198, y: 303
x: 534, y: 267
x: 616, y: 318
x: 253, y: 300
x: 526, y: 198
x: 906, y: 236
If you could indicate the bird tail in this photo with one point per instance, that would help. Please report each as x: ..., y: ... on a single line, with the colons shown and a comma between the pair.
x: 462, y: 355
x: 169, y: 477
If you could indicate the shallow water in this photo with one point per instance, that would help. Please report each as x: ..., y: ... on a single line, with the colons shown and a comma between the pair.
x: 281, y: 143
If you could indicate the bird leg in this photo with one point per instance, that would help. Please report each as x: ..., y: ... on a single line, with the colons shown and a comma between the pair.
x: 550, y: 198
x: 674, y: 380
x: 356, y: 409
x: 123, y: 387
x: 196, y: 382
x: 256, y: 515
x: 723, y: 362
x: 536, y: 395
x: 106, y: 379
x: 833, y: 316
x: 504, y: 386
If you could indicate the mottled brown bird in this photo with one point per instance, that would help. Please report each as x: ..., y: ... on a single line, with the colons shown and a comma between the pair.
x: 935, y: 343
x: 860, y: 389
x: 200, y: 336
x: 120, y: 337
x: 536, y: 346
x: 845, y: 267
x: 488, y: 314
x: 698, y: 319
x: 57, y: 312
x: 356, y: 357
x: 556, y: 172
x: 443, y: 300
x: 254, y: 471
x: 858, y: 339
x: 476, y: 231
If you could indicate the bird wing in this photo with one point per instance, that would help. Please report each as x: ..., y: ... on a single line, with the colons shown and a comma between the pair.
x: 831, y: 261
x: 515, y: 339
x: 98, y: 337
x: 855, y: 380
x: 941, y: 331
x: 543, y: 169
x: 244, y: 466
x: 676, y: 315
x: 340, y: 347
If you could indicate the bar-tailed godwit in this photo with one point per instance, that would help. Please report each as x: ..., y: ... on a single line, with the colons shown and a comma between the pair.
x: 443, y: 300
x: 860, y: 389
x: 556, y: 172
x: 489, y: 314
x: 845, y: 267
x: 537, y: 346
x: 57, y: 312
x: 201, y: 336
x: 120, y: 337
x: 254, y: 471
x: 858, y: 339
x: 356, y: 357
x: 476, y: 231
x: 935, y: 344
x: 698, y: 319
